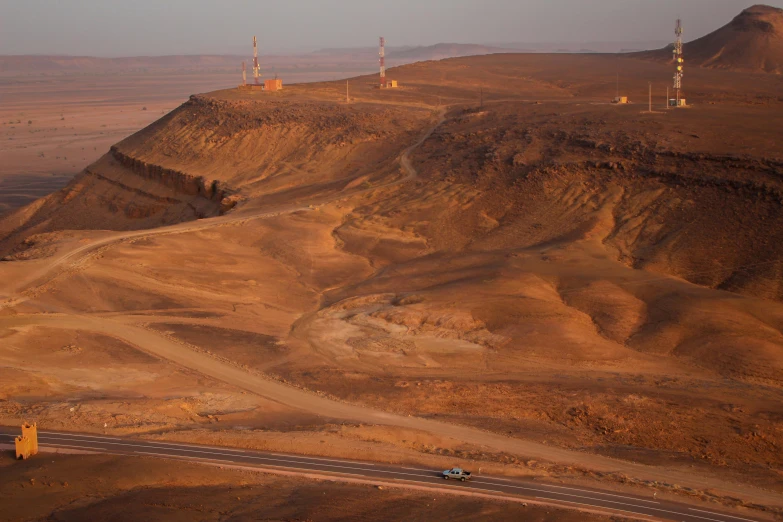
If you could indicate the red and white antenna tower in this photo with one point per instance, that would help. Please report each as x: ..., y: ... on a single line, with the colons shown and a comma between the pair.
x: 256, y: 67
x: 244, y: 74
x: 678, y: 61
x: 382, y: 54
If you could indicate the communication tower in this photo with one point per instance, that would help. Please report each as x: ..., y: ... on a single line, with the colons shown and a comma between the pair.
x: 382, y: 54
x: 678, y: 62
x: 256, y: 67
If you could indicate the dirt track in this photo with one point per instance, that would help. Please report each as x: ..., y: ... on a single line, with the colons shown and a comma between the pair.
x: 123, y: 327
x: 37, y: 280
x: 160, y: 346
x: 506, y: 311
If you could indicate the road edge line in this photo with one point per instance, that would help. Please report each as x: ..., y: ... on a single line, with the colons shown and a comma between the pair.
x: 404, y: 484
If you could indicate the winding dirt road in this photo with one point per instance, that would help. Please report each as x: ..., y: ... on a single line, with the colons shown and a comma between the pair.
x: 29, y: 286
x: 157, y: 345
x: 126, y: 329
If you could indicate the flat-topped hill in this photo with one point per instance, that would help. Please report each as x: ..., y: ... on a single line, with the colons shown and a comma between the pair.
x: 493, y: 244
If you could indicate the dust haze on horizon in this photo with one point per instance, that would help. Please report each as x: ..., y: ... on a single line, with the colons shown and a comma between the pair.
x: 145, y: 27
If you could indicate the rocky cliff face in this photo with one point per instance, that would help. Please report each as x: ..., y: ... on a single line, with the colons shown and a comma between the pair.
x: 214, y: 152
x: 267, y: 145
x: 117, y: 193
x: 180, y: 182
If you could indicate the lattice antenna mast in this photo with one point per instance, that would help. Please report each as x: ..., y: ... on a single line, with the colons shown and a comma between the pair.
x: 382, y: 54
x: 256, y: 67
x: 678, y: 60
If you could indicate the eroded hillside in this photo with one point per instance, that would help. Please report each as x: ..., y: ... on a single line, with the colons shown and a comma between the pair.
x: 752, y: 41
x: 262, y: 147
x: 656, y: 195
x: 214, y: 152
x: 545, y: 266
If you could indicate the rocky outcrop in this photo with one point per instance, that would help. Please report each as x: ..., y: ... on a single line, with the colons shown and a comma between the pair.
x: 180, y: 182
x: 118, y: 192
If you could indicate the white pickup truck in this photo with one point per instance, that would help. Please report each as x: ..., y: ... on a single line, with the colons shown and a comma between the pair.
x: 456, y: 474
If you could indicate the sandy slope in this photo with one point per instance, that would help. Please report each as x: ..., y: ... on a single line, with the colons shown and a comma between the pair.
x: 752, y: 41
x: 302, y: 400
x: 528, y: 288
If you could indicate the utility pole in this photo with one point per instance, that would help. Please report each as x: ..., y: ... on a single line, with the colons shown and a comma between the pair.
x: 382, y: 55
x: 650, y: 96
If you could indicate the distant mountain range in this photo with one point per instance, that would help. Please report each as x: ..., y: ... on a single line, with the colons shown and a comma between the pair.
x: 360, y: 58
x: 753, y: 41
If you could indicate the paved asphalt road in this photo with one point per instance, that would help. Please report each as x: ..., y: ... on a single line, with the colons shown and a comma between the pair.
x: 573, y: 497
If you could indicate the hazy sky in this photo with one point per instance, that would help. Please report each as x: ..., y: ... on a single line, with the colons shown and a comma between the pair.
x: 154, y: 27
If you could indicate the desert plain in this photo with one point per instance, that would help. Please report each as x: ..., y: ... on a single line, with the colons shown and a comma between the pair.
x: 491, y: 266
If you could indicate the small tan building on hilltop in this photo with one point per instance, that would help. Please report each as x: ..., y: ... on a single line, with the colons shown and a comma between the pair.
x: 273, y: 85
